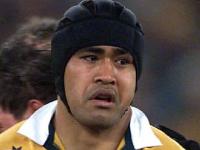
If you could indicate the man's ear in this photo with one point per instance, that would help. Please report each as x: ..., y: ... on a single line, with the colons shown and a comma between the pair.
x: 32, y: 106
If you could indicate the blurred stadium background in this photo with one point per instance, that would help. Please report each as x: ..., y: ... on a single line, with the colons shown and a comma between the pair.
x: 169, y: 89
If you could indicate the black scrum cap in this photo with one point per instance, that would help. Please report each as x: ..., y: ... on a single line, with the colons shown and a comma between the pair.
x: 92, y: 23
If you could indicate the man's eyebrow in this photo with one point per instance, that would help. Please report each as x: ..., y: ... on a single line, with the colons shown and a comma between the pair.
x: 120, y: 51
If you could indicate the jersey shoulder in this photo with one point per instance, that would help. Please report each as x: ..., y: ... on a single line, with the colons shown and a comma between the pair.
x: 11, y: 140
x: 167, y: 142
x: 188, y: 144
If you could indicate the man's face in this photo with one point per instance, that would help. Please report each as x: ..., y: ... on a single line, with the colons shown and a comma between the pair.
x: 99, y: 85
x: 6, y: 120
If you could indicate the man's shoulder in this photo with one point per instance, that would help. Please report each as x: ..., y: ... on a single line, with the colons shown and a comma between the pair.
x: 11, y: 133
x: 167, y: 141
x: 11, y: 140
x: 188, y: 144
x: 174, y: 140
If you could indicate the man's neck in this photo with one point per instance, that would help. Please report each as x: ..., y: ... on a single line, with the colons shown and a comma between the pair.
x: 76, y: 136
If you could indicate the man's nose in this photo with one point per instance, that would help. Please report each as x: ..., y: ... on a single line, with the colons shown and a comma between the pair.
x: 106, y: 73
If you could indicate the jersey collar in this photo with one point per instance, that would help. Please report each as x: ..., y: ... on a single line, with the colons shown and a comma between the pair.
x: 36, y: 127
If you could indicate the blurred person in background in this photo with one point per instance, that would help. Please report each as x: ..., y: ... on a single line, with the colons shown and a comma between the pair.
x: 26, y: 81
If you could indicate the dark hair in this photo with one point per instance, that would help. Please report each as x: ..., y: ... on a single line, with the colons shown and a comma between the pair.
x: 25, y: 69
x: 33, y: 33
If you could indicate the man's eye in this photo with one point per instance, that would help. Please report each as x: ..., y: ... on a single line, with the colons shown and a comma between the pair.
x: 123, y: 61
x: 90, y: 58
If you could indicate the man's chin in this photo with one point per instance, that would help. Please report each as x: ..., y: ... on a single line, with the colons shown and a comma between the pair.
x: 102, y: 122
x: 97, y: 126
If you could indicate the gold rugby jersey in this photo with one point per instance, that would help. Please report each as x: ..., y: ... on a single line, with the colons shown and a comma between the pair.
x: 11, y: 140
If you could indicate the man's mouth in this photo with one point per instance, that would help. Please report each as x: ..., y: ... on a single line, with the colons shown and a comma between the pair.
x: 103, y: 98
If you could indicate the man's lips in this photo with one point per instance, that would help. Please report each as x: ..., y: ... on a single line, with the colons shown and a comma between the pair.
x: 103, y: 97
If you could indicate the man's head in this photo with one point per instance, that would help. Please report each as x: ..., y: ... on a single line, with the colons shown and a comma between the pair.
x: 26, y: 79
x: 36, y: 33
x: 98, y: 25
